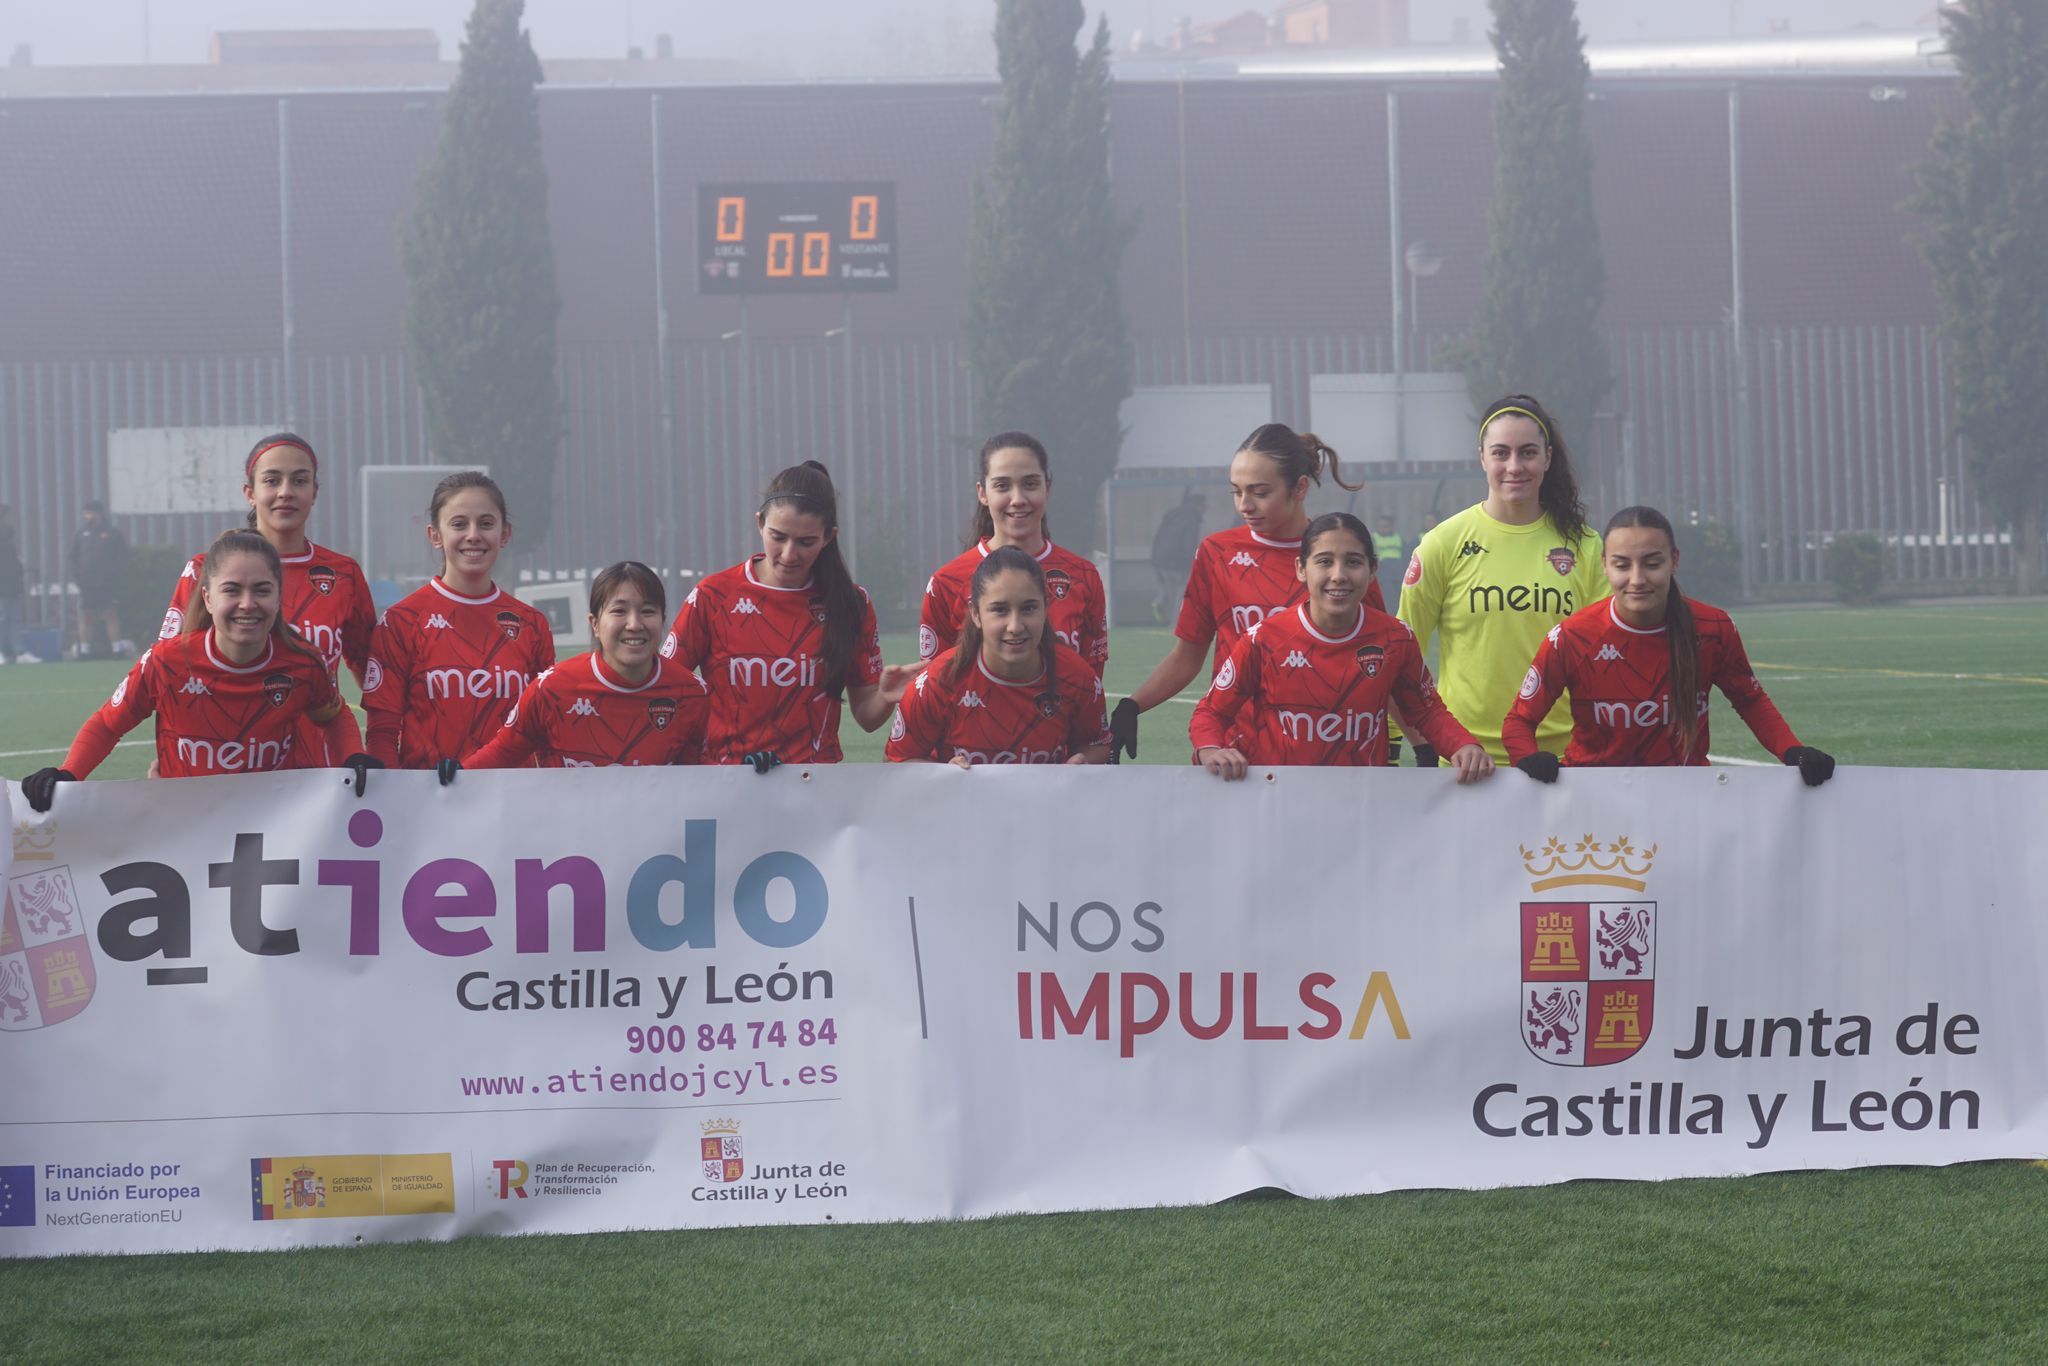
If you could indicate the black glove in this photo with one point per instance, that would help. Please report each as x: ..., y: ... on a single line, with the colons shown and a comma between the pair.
x: 40, y: 787
x: 1393, y: 751
x: 360, y: 765
x: 1542, y: 766
x: 1814, y: 766
x: 1123, y: 729
x: 1425, y: 756
x: 762, y: 760
x: 447, y: 769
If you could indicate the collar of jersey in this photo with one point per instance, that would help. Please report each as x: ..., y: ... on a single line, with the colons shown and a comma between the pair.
x: 1615, y: 617
x: 1301, y: 611
x: 1493, y: 523
x: 445, y: 591
x: 301, y: 557
x: 603, y: 675
x: 773, y: 588
x: 1031, y: 682
x: 1041, y: 556
x: 1294, y: 544
x: 269, y: 653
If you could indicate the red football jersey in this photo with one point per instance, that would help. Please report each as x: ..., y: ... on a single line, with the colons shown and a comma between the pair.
x: 324, y: 597
x: 581, y: 715
x: 1317, y: 699
x: 756, y: 647
x: 1074, y: 603
x: 216, y: 717
x: 1239, y: 579
x: 988, y: 720
x: 444, y: 669
x: 1620, y: 682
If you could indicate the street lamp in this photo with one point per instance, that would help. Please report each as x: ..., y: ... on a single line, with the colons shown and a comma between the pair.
x: 1423, y: 260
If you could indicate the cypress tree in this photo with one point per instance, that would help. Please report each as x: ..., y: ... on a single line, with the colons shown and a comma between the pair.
x: 480, y: 324
x: 1544, y: 275
x: 1045, y: 322
x: 1986, y: 195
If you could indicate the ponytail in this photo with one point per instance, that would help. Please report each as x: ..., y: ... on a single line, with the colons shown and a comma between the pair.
x: 1681, y: 630
x: 1558, y: 495
x: 968, y: 648
x: 808, y: 489
x: 199, y: 616
x: 983, y: 526
x: 1302, y: 455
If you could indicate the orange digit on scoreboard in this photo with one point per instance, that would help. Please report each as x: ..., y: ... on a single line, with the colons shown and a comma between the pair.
x: 864, y: 219
x: 817, y: 253
x: 781, y: 255
x: 732, y: 219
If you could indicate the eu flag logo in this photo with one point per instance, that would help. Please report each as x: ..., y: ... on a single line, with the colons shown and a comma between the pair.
x: 17, y: 1197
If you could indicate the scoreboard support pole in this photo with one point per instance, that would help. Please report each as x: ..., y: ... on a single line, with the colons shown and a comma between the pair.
x: 664, y: 381
x: 845, y: 478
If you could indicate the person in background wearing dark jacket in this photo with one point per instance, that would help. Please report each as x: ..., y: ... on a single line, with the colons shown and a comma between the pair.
x: 99, y: 552
x: 10, y: 591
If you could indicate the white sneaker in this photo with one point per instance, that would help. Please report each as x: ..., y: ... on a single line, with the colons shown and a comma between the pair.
x: 26, y: 658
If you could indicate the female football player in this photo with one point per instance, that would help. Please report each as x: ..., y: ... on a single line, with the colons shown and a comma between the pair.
x: 1492, y: 579
x: 1245, y: 574
x: 782, y: 638
x: 1638, y: 666
x: 324, y: 597
x: 449, y: 661
x: 230, y: 694
x: 1010, y: 495
x: 620, y: 704
x: 1312, y: 685
x: 1009, y: 692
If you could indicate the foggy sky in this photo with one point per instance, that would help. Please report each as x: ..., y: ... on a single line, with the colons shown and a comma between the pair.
x: 813, y: 37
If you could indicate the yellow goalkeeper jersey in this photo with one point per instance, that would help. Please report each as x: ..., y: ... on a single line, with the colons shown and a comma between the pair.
x: 1490, y: 591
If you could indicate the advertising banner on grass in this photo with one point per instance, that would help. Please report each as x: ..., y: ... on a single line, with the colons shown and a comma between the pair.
x: 258, y: 1012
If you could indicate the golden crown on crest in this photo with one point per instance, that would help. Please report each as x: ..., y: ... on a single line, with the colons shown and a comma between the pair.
x: 1587, y: 862
x: 720, y: 1126
x: 35, y: 843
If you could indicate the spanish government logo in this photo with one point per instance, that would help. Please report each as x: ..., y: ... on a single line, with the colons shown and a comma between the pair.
x: 1589, y: 968
x: 720, y: 1150
x: 351, y: 1185
x: 46, y: 973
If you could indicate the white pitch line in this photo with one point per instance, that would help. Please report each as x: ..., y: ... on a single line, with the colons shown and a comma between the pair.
x: 60, y: 749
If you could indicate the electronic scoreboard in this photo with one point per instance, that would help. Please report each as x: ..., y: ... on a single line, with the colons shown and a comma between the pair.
x: 796, y: 238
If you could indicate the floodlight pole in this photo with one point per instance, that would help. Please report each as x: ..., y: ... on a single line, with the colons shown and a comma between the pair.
x: 1396, y: 290
x: 671, y: 549
x: 1738, y: 329
x: 284, y: 256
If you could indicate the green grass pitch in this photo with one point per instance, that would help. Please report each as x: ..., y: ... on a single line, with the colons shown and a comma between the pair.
x: 1903, y: 1264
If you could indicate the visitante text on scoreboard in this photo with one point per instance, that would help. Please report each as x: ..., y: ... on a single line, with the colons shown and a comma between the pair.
x: 796, y: 238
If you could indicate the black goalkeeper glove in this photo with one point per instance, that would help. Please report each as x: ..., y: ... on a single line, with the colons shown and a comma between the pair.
x: 360, y: 765
x: 762, y: 760
x: 40, y: 787
x: 1542, y: 766
x: 1123, y: 730
x: 1393, y: 751
x: 1815, y: 767
x: 447, y: 769
x: 1425, y: 756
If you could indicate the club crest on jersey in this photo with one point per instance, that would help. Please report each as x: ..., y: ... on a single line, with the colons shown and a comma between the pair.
x: 818, y: 610
x: 277, y: 687
x: 1370, y: 658
x: 321, y: 577
x: 509, y: 623
x: 1058, y: 583
x: 1048, y: 705
x: 1562, y: 560
x: 661, y: 711
x: 1588, y: 968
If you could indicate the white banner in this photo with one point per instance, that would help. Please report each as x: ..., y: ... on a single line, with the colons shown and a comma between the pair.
x: 256, y: 1012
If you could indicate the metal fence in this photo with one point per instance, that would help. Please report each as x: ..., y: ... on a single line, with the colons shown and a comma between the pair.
x: 1847, y: 434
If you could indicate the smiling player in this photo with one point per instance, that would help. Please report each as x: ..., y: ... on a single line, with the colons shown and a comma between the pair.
x: 622, y: 704
x: 1312, y: 684
x: 1639, y: 665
